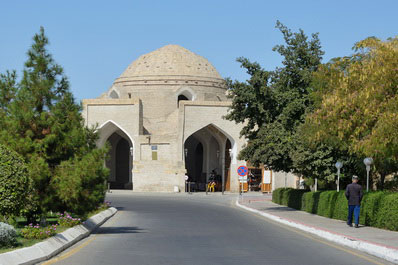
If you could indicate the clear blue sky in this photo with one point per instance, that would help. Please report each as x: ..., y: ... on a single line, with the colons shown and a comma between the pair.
x: 96, y: 40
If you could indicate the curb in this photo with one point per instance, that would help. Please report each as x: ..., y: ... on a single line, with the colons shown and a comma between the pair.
x: 52, y: 246
x: 383, y: 252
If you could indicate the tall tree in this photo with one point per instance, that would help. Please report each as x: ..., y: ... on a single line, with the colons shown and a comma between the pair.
x: 43, y: 123
x: 357, y: 103
x: 272, y: 104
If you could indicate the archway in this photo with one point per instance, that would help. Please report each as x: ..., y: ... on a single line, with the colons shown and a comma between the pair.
x: 205, y: 151
x: 118, y: 161
x: 120, y: 155
x: 122, y: 163
x: 227, y: 165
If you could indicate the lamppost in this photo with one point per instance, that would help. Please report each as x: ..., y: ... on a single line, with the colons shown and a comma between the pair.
x: 367, y: 161
x: 338, y: 165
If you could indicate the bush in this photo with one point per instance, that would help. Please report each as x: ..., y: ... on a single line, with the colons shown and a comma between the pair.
x: 79, y: 184
x: 66, y: 220
x: 387, y: 213
x: 36, y: 232
x: 378, y: 209
x: 289, y: 197
x: 310, y: 201
x: 8, y: 235
x: 14, y: 182
x: 326, y: 204
x: 369, y: 208
x: 277, y: 196
x: 340, y: 207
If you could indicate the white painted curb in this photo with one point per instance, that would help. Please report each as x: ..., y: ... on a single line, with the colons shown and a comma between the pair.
x: 52, y: 246
x: 373, y: 249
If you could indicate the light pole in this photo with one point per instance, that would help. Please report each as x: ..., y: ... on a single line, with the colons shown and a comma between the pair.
x: 367, y: 161
x: 338, y: 165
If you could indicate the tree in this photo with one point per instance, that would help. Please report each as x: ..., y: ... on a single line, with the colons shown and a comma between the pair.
x: 44, y: 124
x: 15, y: 183
x: 357, y: 104
x: 273, y: 104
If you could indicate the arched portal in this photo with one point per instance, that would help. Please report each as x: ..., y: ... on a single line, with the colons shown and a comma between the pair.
x: 227, y: 165
x: 120, y: 155
x: 206, y: 151
x: 122, y: 162
x: 118, y: 162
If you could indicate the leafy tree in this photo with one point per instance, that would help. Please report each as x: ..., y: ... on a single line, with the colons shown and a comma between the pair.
x: 15, y: 183
x: 44, y: 124
x: 357, y: 104
x: 273, y: 104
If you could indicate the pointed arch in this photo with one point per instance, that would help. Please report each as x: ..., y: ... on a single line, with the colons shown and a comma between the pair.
x: 120, y: 161
x: 114, y: 94
x: 186, y: 92
x: 108, y: 128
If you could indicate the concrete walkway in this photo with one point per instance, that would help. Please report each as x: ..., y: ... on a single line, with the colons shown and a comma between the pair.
x: 371, y: 237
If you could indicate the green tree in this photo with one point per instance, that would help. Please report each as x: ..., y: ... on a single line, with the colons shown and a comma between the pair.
x: 15, y: 183
x: 273, y: 104
x: 44, y: 124
x: 356, y: 104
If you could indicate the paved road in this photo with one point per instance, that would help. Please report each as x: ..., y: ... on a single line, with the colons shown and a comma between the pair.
x: 198, y: 229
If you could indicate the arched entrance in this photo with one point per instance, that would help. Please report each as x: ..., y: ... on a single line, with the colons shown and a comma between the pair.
x: 120, y: 156
x: 118, y: 162
x: 208, y: 150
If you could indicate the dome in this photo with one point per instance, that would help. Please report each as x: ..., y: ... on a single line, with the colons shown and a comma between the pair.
x: 171, y: 63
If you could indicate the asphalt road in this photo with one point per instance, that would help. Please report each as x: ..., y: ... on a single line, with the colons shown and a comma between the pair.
x: 198, y: 229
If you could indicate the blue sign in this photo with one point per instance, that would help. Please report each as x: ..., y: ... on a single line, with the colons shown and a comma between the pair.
x: 243, y: 171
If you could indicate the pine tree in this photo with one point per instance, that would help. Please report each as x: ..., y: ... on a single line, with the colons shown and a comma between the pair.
x: 44, y: 124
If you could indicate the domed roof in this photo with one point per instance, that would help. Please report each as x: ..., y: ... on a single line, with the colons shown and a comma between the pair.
x: 171, y: 62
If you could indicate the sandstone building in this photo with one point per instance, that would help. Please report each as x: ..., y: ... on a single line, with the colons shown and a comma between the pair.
x: 163, y: 117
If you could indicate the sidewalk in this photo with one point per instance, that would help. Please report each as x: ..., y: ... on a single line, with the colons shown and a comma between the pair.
x: 378, y: 242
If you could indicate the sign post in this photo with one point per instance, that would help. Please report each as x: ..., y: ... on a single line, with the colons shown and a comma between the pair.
x: 242, y: 172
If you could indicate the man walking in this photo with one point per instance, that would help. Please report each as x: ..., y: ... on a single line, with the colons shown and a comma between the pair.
x: 354, y: 197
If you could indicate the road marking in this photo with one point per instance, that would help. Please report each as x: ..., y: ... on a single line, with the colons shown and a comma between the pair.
x: 315, y: 239
x: 80, y: 247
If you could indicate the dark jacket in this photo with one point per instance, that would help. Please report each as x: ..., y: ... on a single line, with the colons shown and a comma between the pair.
x: 354, y: 194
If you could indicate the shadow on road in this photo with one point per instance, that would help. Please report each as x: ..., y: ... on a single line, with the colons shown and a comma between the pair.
x: 118, y: 230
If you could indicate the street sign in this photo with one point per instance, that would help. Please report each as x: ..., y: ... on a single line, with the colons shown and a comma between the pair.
x: 243, y: 171
x: 243, y: 179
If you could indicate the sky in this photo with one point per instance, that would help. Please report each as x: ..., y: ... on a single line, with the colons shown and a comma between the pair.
x: 95, y: 41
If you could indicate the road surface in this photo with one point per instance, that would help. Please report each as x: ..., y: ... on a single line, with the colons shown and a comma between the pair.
x: 199, y: 229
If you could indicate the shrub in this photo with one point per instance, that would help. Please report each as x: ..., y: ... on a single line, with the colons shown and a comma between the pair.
x: 79, y: 183
x: 14, y: 182
x: 8, y: 235
x: 387, y: 214
x: 378, y: 209
x: 340, y: 207
x: 369, y: 208
x: 289, y: 197
x: 276, y: 196
x: 36, y: 232
x: 310, y: 201
x: 326, y: 204
x: 66, y: 220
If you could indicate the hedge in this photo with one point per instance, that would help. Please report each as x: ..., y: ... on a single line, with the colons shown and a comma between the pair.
x: 378, y: 209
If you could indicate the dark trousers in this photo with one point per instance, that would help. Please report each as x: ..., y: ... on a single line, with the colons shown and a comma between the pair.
x: 353, y: 209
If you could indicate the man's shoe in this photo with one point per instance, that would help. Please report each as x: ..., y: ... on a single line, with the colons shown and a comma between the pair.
x: 350, y: 225
x: 356, y: 226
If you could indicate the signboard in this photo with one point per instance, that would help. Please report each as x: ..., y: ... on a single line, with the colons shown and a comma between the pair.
x: 243, y: 171
x: 243, y: 179
x: 267, y: 177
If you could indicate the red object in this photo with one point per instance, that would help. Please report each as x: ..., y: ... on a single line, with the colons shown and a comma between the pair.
x: 243, y: 171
